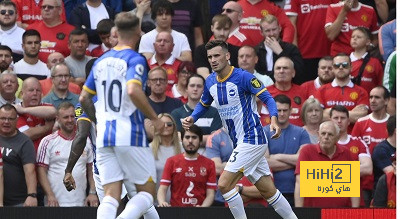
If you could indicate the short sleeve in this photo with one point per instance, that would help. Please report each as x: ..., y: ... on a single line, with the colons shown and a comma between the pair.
x: 43, y: 154
x: 212, y: 178
x: 137, y: 70
x: 27, y: 152
x: 380, y: 158
x: 213, y: 146
x: 167, y: 173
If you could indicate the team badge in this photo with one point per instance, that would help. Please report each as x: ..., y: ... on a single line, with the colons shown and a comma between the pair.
x: 232, y: 92
x: 354, y: 149
x: 297, y: 100
x: 255, y: 83
x: 353, y: 95
x: 60, y: 36
x: 369, y: 68
x: 203, y: 171
x: 264, y: 12
x: 78, y: 112
x: 170, y: 71
x: 364, y: 18
x: 391, y: 204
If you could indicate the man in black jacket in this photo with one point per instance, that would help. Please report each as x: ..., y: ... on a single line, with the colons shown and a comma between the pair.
x: 273, y: 47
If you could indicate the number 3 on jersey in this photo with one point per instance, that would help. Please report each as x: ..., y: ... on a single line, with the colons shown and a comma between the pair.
x: 112, y: 95
x: 233, y: 158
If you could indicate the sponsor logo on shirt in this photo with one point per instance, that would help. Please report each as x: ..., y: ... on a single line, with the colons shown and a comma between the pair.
x: 190, y: 173
x: 343, y: 103
x: 307, y: 8
x: 57, y: 153
x: 178, y: 170
x: 47, y: 44
x: 27, y: 17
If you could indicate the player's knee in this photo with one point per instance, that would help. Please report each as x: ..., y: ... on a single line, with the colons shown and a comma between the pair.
x: 224, y: 187
x: 147, y: 197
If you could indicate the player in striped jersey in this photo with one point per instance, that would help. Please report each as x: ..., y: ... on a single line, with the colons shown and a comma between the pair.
x: 234, y: 91
x: 118, y: 78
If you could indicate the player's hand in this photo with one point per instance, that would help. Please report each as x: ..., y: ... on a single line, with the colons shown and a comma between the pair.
x: 159, y: 126
x: 69, y: 181
x: 30, y: 202
x: 274, y: 127
x: 187, y: 122
x: 92, y: 200
x: 52, y: 201
x: 274, y: 45
x: 164, y: 204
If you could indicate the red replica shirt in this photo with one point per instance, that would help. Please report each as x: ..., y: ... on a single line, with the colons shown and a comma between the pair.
x: 372, y: 75
x: 297, y: 97
x: 310, y: 87
x: 310, y: 26
x: 349, y: 96
x: 363, y: 15
x: 1, y: 160
x: 97, y: 52
x: 26, y: 121
x: 54, y: 39
x: 171, y: 66
x: 252, y: 14
x: 189, y: 179
x: 357, y: 147
x: 29, y: 11
x: 313, y: 152
x: 237, y: 38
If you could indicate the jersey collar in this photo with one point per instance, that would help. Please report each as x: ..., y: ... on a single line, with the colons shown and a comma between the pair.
x: 334, y: 83
x: 226, y: 77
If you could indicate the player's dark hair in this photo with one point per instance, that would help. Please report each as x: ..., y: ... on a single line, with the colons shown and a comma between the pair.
x: 281, y: 98
x: 30, y: 32
x: 4, y: 47
x: 104, y: 26
x: 8, y: 107
x: 391, y: 125
x: 195, y: 129
x: 214, y: 43
x: 386, y: 93
x: 161, y: 7
x: 64, y: 106
x: 195, y: 75
x: 339, y: 108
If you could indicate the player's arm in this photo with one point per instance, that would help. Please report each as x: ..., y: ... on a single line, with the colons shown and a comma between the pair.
x: 31, y: 184
x: 161, y: 196
x: 44, y: 182
x: 45, y: 112
x: 333, y: 30
x: 87, y: 104
x: 210, y: 193
x: 78, y: 144
x: 198, y: 111
x: 365, y: 165
x: 298, y: 201
x: 91, y: 199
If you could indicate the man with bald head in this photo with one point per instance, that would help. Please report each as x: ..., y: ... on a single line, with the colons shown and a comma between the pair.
x: 284, y: 72
x: 36, y: 119
x: 164, y: 45
x: 326, y: 150
x: 234, y: 11
x: 8, y: 88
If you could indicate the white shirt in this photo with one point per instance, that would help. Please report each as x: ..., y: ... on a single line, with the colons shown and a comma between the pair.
x: 39, y: 69
x: 269, y: 58
x: 12, y: 38
x: 96, y: 15
x: 53, y: 152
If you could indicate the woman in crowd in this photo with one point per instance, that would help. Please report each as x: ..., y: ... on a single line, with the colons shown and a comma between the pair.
x: 311, y: 114
x: 185, y: 69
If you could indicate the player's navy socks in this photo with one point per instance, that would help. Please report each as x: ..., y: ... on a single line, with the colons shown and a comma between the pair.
x: 137, y: 206
x: 235, y: 203
x: 107, y: 208
x: 281, y: 206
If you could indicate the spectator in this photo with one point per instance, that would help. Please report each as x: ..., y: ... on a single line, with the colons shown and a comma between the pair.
x: 342, y: 91
x: 254, y: 11
x: 30, y: 65
x: 190, y: 175
x: 284, y: 151
x: 165, y: 145
x: 162, y: 13
x: 387, y: 39
x: 325, y: 76
x: 47, y: 84
x: 76, y: 61
x: 384, y: 151
x: 163, y: 46
x: 143, y: 12
x: 210, y: 121
x: 159, y: 101
x: 380, y: 7
x: 29, y: 11
x: 185, y: 70
x: 8, y: 88
x: 60, y: 74
x: 272, y: 48
x: 247, y: 60
x: 86, y: 16
x: 52, y: 158
x: 311, y: 115
x: 10, y: 33
x: 385, y: 192
x: 325, y: 150
x: 366, y: 71
x: 308, y: 19
x: 53, y: 29
x: 220, y: 28
x: 5, y: 58
x: 19, y: 161
x: 389, y: 82
x: 359, y: 150
x: 103, y: 30
x: 340, y: 20
x: 284, y: 73
x: 35, y: 119
x: 234, y: 11
x: 1, y: 181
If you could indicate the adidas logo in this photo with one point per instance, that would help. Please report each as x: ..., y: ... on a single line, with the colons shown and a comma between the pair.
x: 369, y: 129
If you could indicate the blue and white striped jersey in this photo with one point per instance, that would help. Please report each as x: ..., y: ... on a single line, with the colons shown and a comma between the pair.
x: 235, y: 98
x: 119, y: 122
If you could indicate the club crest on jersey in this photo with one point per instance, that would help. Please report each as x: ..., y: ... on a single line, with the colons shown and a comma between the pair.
x: 353, y: 95
x: 60, y: 36
x: 232, y: 92
x: 255, y: 83
x: 354, y: 149
x: 297, y: 100
x: 203, y: 171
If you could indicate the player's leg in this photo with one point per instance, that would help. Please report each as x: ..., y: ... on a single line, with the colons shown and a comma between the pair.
x: 140, y: 174
x: 111, y: 178
x: 226, y: 184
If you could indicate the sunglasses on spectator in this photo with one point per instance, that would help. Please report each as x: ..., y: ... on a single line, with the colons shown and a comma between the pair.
x: 50, y: 7
x: 343, y: 64
x: 10, y: 12
x: 228, y: 10
x: 169, y: 124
